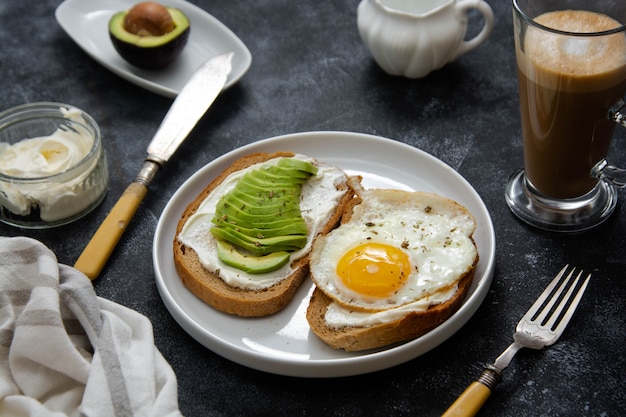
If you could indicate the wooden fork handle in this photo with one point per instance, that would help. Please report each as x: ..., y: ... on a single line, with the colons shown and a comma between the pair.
x: 469, y: 402
x: 472, y: 399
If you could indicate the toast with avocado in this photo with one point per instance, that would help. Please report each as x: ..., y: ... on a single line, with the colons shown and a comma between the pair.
x: 243, y: 244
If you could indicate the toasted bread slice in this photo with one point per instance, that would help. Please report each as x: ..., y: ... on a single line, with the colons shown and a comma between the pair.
x: 413, y: 322
x: 213, y: 290
x: 411, y: 326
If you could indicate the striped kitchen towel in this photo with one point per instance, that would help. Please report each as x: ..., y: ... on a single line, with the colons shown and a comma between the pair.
x: 66, y: 352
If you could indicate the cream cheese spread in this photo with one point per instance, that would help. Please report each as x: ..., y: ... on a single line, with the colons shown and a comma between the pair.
x: 44, y: 156
x: 319, y: 199
x: 51, y: 172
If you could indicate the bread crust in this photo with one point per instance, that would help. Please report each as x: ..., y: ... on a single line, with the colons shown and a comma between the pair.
x: 217, y: 293
x: 410, y: 326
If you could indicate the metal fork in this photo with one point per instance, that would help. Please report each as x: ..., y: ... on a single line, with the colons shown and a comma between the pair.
x: 541, y: 326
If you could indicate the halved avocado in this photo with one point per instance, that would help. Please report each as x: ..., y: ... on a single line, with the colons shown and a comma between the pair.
x: 149, y: 51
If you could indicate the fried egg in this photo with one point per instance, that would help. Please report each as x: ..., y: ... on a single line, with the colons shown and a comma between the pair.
x: 397, y: 248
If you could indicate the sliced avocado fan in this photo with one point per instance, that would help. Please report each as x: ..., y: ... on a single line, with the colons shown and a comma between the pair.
x: 259, y: 223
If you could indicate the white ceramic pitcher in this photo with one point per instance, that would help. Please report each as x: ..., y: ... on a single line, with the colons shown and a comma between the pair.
x: 414, y: 37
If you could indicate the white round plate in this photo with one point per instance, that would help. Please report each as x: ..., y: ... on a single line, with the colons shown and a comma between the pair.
x: 283, y: 343
x: 86, y: 22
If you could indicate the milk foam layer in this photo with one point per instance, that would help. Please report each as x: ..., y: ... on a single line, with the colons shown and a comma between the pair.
x: 602, y: 57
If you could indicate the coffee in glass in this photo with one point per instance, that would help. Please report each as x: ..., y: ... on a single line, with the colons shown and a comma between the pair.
x: 571, y: 65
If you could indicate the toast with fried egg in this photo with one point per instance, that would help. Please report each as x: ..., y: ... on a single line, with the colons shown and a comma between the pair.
x: 232, y: 289
x: 399, y: 265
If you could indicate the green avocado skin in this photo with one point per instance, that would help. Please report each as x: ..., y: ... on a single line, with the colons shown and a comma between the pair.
x: 154, y: 56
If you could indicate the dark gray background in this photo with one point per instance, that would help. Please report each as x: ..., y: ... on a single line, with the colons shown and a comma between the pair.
x: 310, y: 71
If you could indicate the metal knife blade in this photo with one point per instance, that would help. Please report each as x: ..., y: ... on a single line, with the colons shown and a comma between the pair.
x: 190, y: 105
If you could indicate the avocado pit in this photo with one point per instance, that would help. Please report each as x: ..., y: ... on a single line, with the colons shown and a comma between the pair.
x: 149, y: 35
x: 148, y: 19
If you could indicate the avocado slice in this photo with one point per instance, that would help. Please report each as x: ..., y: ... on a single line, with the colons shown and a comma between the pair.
x: 271, y: 190
x: 267, y: 179
x: 260, y: 246
x: 267, y: 207
x: 260, y: 190
x: 288, y: 228
x: 288, y: 173
x: 224, y: 221
x: 149, y: 51
x: 248, y: 263
x: 238, y: 216
x: 298, y: 164
x: 256, y: 200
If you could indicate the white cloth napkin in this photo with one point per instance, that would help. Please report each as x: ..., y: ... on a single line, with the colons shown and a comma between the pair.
x: 66, y: 352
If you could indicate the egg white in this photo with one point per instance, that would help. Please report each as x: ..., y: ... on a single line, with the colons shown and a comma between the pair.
x: 434, y: 232
x: 338, y: 316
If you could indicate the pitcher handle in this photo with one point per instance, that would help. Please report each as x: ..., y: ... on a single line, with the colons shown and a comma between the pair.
x: 462, y: 7
x: 603, y: 170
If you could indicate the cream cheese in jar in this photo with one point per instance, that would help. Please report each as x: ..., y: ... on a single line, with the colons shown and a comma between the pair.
x: 52, y: 165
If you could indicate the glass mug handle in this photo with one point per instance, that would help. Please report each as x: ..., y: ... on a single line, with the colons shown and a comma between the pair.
x: 603, y: 170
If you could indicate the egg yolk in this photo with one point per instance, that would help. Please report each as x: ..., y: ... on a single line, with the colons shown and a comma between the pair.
x: 374, y: 269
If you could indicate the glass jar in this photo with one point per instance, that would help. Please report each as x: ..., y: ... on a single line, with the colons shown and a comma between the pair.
x: 53, y: 167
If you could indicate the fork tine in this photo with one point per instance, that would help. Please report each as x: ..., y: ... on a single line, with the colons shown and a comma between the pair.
x: 541, y: 317
x: 534, y: 309
x: 564, y: 300
x: 538, y: 312
x: 574, y: 304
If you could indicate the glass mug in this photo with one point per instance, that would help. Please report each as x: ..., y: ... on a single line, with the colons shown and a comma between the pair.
x: 571, y: 64
x: 413, y: 38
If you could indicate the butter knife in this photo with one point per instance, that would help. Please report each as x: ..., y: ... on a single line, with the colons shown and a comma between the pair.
x: 191, y: 103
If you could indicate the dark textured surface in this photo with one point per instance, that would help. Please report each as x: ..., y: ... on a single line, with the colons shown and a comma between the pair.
x: 310, y: 71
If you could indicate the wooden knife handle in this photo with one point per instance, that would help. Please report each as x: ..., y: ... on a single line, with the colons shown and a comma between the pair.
x: 99, y: 249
